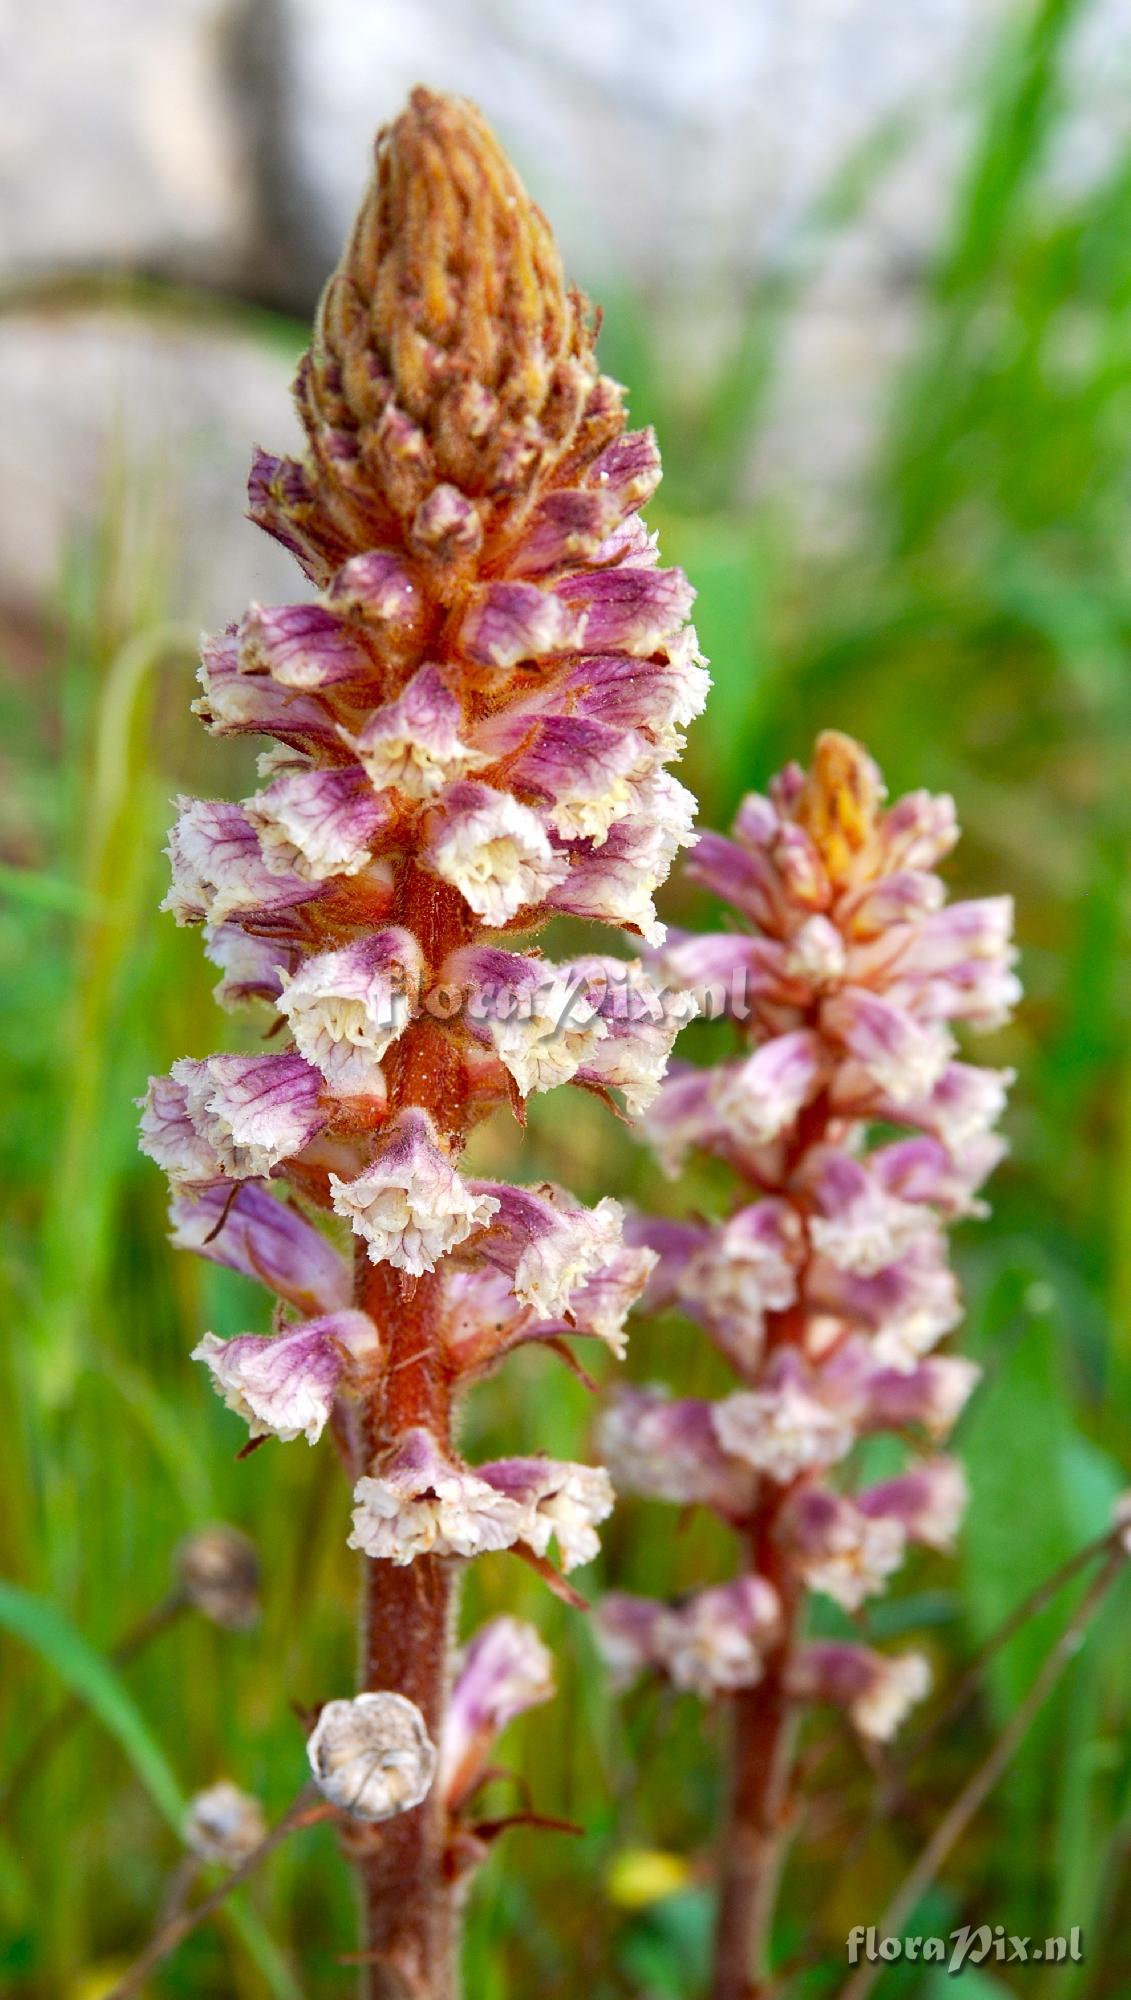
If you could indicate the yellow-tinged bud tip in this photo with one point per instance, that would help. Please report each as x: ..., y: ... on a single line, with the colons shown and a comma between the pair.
x: 840, y: 803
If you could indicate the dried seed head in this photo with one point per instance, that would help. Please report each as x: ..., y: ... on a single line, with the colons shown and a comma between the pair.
x: 224, y: 1825
x: 450, y: 364
x: 218, y: 1570
x: 372, y: 1756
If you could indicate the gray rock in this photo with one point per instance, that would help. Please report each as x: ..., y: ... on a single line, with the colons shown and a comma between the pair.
x: 149, y: 424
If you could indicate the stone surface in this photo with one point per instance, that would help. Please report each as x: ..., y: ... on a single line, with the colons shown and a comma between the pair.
x: 681, y: 152
x: 122, y: 139
x: 150, y: 423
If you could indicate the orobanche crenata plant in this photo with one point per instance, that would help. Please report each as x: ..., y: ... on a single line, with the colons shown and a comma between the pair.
x: 472, y: 712
x: 855, y: 1134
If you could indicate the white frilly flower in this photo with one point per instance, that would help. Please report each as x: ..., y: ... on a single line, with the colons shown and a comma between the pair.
x: 494, y: 850
x: 413, y: 744
x: 347, y: 1007
x: 418, y: 1502
x: 410, y: 1205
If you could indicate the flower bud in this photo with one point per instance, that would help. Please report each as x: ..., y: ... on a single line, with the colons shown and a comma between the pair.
x: 372, y: 1756
x: 224, y: 1825
x: 218, y: 1570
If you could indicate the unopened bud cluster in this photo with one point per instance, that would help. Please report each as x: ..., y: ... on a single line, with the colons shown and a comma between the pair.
x: 856, y: 1134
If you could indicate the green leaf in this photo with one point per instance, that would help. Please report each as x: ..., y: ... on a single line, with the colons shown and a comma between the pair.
x: 89, y: 1676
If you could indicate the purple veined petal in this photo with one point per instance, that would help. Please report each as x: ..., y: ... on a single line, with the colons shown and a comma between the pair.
x: 414, y: 745
x: 747, y: 880
x: 248, y: 1230
x: 504, y: 1671
x: 904, y: 1059
x: 760, y: 1097
x: 600, y: 1305
x: 662, y: 694
x: 982, y: 992
x: 614, y: 883
x: 410, y: 1206
x: 927, y: 1501
x: 583, y: 772
x: 219, y: 870
x: 931, y: 1394
x: 964, y: 1104
x: 559, y: 1502
x: 628, y: 609
x: 419, y: 1501
x: 447, y: 527
x: 491, y: 848
x: 548, y: 1242
x: 923, y: 1169
x: 875, y: 1689
x: 908, y: 1308
x: 252, y: 965
x: 282, y: 501
x: 233, y: 703
x: 318, y: 823
x: 668, y: 1448
x: 254, y: 1111
x: 508, y: 622
x: 685, y: 1114
x: 628, y: 470
x: 347, y: 1007
x: 286, y: 1385
x: 716, y: 1641
x: 301, y: 646
x: 169, y: 1136
x: 379, y: 587
x: 566, y: 527
x: 857, y: 1224
x: 784, y: 1427
x: 539, y: 1017
x: 918, y: 831
x: 625, y: 1629
x: 836, y: 1548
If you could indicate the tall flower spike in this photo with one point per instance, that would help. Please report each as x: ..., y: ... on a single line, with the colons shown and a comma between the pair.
x: 476, y: 710
x: 827, y: 1288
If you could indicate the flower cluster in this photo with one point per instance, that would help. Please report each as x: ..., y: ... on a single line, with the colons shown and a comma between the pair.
x: 472, y: 713
x: 857, y: 1134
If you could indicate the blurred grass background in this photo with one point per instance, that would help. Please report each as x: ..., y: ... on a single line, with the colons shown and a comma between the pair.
x: 975, y: 632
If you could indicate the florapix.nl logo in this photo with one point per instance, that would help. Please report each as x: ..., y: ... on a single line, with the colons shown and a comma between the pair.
x: 971, y: 1944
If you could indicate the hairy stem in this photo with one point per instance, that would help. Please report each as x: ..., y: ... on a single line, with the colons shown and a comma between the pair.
x: 756, y: 1829
x: 409, y: 1916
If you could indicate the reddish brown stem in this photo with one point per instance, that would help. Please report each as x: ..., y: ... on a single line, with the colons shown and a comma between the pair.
x: 409, y: 1910
x: 763, y: 1726
x: 408, y: 1907
x: 757, y: 1825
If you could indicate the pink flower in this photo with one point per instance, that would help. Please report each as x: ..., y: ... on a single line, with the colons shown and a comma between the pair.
x: 504, y: 1671
x: 287, y: 1386
x: 410, y: 1206
x: 828, y: 1284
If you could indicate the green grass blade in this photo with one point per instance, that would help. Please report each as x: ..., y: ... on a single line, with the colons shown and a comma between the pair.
x: 89, y: 1676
